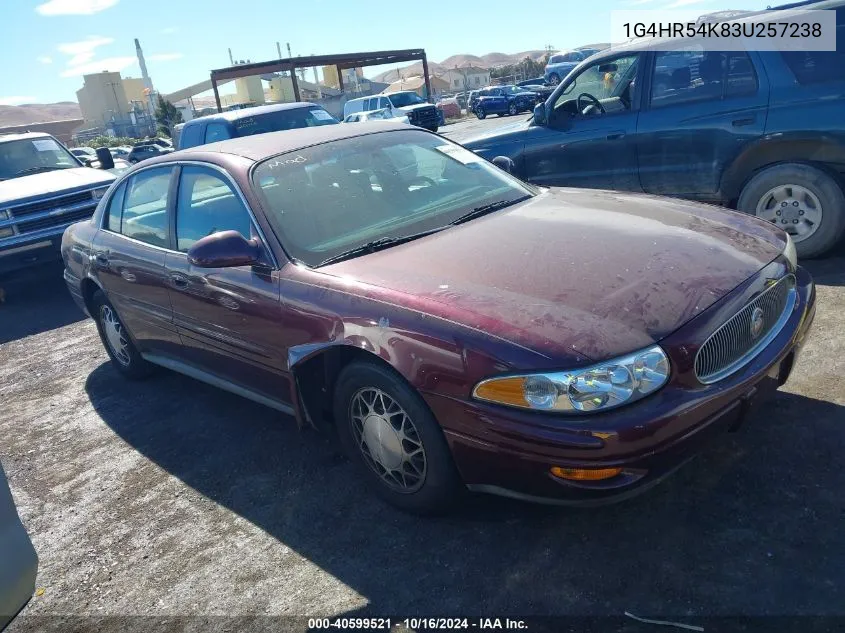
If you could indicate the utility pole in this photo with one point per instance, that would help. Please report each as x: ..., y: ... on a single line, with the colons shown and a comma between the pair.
x: 231, y: 59
x: 279, y: 49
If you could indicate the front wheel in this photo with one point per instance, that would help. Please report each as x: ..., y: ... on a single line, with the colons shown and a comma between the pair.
x: 804, y: 201
x: 115, y: 338
x: 479, y: 112
x: 389, y: 432
x: 554, y: 79
x: 512, y: 109
x: 433, y: 128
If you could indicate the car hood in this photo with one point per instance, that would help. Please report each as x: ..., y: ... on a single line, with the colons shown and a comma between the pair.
x: 415, y: 106
x: 511, y: 132
x: 575, y: 272
x: 51, y: 182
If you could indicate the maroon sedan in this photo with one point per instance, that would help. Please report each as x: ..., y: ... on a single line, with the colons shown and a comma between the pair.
x: 458, y: 328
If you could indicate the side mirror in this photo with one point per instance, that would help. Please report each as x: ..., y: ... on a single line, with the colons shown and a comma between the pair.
x: 225, y: 249
x: 540, y: 114
x: 504, y: 163
x: 105, y: 158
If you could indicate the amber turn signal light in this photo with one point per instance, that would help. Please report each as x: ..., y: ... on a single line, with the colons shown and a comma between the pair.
x: 585, y: 474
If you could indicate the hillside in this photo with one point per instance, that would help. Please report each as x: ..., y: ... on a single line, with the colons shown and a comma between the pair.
x: 490, y: 60
x: 38, y: 113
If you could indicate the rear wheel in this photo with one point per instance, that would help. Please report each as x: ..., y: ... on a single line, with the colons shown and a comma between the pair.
x: 554, y: 79
x: 804, y: 201
x: 512, y: 109
x: 119, y: 346
x: 389, y: 432
x: 479, y: 112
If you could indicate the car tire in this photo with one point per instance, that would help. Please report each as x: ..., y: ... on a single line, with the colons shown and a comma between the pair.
x: 480, y: 113
x: 554, y: 79
x: 513, y: 110
x: 802, y: 191
x: 118, y: 344
x: 415, y: 473
x: 433, y: 128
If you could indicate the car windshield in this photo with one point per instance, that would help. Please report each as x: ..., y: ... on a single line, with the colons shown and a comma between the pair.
x: 402, y: 99
x: 33, y: 155
x: 325, y: 200
x: 282, y: 120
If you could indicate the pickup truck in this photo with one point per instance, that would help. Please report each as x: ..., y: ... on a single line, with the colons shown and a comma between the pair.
x: 43, y: 190
x: 758, y: 131
x: 397, y: 104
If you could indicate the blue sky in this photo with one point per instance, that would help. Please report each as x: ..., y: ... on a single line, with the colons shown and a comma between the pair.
x: 55, y: 42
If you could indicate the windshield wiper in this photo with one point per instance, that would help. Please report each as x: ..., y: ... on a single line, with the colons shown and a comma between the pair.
x: 33, y: 170
x: 477, y: 212
x: 377, y: 245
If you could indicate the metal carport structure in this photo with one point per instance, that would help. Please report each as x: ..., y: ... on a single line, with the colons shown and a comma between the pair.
x: 341, y: 62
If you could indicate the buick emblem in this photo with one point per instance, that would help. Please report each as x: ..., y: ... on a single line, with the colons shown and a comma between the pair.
x: 757, y: 322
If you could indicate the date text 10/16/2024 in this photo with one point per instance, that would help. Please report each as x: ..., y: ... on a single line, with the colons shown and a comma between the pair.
x: 429, y: 624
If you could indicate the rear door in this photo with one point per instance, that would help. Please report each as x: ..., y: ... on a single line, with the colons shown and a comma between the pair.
x: 227, y: 317
x: 702, y: 110
x: 129, y: 257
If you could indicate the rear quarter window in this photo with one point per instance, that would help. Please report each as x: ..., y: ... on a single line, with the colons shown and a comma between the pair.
x: 816, y: 67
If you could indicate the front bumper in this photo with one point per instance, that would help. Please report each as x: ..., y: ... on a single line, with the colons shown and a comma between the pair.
x: 510, y: 452
x: 31, y: 252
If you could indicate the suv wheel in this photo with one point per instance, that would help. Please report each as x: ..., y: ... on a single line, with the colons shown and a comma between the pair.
x: 554, y: 79
x: 802, y: 200
x: 479, y: 112
x: 389, y: 432
x: 512, y: 109
x: 119, y: 346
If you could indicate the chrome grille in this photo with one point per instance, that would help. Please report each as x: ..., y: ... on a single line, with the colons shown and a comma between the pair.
x: 734, y: 344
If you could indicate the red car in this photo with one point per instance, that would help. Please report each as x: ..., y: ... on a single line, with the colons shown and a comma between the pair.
x: 457, y: 327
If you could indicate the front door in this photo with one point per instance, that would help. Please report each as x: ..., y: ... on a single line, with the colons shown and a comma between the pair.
x: 129, y: 256
x: 703, y: 109
x: 588, y: 140
x: 228, y: 318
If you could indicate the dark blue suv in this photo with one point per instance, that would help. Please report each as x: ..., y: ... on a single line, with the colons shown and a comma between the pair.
x: 503, y: 100
x: 762, y: 132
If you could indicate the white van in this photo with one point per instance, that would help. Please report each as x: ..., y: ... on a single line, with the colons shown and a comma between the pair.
x: 396, y: 104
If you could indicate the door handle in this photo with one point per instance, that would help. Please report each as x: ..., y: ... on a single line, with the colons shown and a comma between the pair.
x: 616, y: 135
x: 102, y: 259
x: 178, y: 280
x: 742, y: 122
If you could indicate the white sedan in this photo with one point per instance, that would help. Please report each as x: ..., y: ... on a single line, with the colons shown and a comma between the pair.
x: 375, y: 115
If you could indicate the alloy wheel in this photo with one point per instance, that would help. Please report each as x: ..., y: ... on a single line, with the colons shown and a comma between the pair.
x: 388, y: 440
x: 793, y: 208
x: 115, y: 335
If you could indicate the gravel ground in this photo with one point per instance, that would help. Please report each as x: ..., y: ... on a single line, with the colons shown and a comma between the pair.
x: 170, y: 498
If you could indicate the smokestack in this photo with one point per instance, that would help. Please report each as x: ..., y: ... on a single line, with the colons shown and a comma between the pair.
x: 279, y: 49
x: 231, y: 59
x: 148, y: 83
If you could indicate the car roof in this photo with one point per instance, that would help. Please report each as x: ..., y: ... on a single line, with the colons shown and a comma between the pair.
x: 261, y: 146
x: 23, y: 136
x: 234, y: 115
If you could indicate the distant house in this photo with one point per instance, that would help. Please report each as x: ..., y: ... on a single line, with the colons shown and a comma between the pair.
x: 417, y: 84
x: 465, y: 78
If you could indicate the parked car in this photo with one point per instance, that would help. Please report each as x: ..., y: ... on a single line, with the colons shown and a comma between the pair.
x: 86, y: 155
x: 535, y: 81
x: 461, y: 98
x: 472, y: 99
x: 43, y: 189
x: 374, y: 115
x: 542, y: 92
x: 504, y: 100
x: 399, y: 104
x: 19, y: 560
x: 120, y: 152
x: 143, y: 151
x: 560, y: 65
x: 449, y: 107
x: 758, y: 131
x: 382, y: 282
x: 251, y: 121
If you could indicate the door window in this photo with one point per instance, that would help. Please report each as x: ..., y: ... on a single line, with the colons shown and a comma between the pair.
x: 207, y: 204
x: 216, y: 132
x: 115, y: 209
x: 611, y: 82
x: 692, y: 75
x: 145, y: 208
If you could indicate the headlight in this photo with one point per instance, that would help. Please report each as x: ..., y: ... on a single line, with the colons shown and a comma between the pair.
x: 789, y: 251
x: 99, y: 193
x: 599, y: 387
